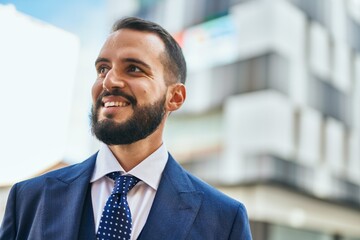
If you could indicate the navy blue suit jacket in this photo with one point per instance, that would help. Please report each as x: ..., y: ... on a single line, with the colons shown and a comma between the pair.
x: 54, y: 206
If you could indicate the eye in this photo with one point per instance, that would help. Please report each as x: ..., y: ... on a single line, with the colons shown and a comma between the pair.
x: 133, y: 68
x: 102, y: 71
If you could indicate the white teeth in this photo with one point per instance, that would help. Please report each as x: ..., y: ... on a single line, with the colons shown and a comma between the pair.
x: 115, y: 104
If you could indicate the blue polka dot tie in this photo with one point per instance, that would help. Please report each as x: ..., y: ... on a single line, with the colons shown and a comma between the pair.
x: 115, y: 222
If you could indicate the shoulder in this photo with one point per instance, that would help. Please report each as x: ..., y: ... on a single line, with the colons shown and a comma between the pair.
x: 68, y: 173
x: 210, y: 194
x: 223, y: 208
x: 219, y: 212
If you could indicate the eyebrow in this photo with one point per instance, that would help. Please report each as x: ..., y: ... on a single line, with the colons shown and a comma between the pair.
x: 99, y: 59
x: 125, y: 60
x: 137, y: 61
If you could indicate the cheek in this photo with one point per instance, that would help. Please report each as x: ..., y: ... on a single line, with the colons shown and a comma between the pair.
x: 96, y: 90
x: 151, y: 95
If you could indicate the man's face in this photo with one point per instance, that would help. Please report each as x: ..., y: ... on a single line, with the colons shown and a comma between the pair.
x: 130, y: 91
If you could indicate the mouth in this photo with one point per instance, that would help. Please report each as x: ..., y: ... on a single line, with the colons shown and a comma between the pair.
x: 113, y: 107
x: 115, y: 104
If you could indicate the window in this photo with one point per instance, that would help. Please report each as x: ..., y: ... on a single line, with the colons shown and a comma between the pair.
x: 269, y: 71
x: 354, y: 34
x: 315, y: 9
x: 329, y: 100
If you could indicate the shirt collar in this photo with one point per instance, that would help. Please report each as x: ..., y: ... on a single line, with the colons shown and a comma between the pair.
x: 149, y: 170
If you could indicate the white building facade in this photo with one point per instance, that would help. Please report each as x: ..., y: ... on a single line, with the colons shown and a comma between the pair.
x: 38, y: 66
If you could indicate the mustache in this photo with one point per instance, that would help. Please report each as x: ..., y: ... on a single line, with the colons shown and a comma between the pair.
x: 115, y: 92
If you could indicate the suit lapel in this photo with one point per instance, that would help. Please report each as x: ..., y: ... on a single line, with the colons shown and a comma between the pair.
x: 175, y: 206
x: 87, y: 219
x: 64, y: 199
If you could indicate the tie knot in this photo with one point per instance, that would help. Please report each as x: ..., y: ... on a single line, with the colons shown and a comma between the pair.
x: 123, y: 184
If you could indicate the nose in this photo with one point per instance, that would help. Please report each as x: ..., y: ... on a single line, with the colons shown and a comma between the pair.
x: 112, y: 80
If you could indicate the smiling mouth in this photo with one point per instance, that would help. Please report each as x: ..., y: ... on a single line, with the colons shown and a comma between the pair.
x: 116, y: 104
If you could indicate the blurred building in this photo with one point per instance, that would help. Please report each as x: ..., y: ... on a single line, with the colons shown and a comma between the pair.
x: 272, y: 116
x: 38, y: 66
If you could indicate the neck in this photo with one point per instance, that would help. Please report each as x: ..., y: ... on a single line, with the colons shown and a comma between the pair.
x: 130, y: 155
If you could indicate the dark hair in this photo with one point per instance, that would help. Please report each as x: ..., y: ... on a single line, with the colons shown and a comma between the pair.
x: 174, y: 59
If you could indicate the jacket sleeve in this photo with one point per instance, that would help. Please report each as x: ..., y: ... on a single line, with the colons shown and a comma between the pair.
x: 241, y: 227
x: 8, y: 228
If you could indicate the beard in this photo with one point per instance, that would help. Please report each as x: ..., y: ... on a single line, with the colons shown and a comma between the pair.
x: 143, y: 122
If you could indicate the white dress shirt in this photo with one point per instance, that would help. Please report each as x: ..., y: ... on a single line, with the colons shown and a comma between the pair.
x: 141, y: 197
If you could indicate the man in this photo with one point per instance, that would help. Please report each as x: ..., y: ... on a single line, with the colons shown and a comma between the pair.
x: 132, y: 188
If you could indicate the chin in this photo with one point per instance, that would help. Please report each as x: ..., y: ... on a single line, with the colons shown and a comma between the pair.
x: 111, y: 116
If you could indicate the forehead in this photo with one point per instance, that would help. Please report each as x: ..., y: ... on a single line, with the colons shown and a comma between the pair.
x: 133, y: 42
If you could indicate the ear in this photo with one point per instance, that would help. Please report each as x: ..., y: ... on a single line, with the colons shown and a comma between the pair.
x: 175, y: 97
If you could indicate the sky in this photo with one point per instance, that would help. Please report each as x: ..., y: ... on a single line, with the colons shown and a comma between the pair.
x: 69, y: 15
